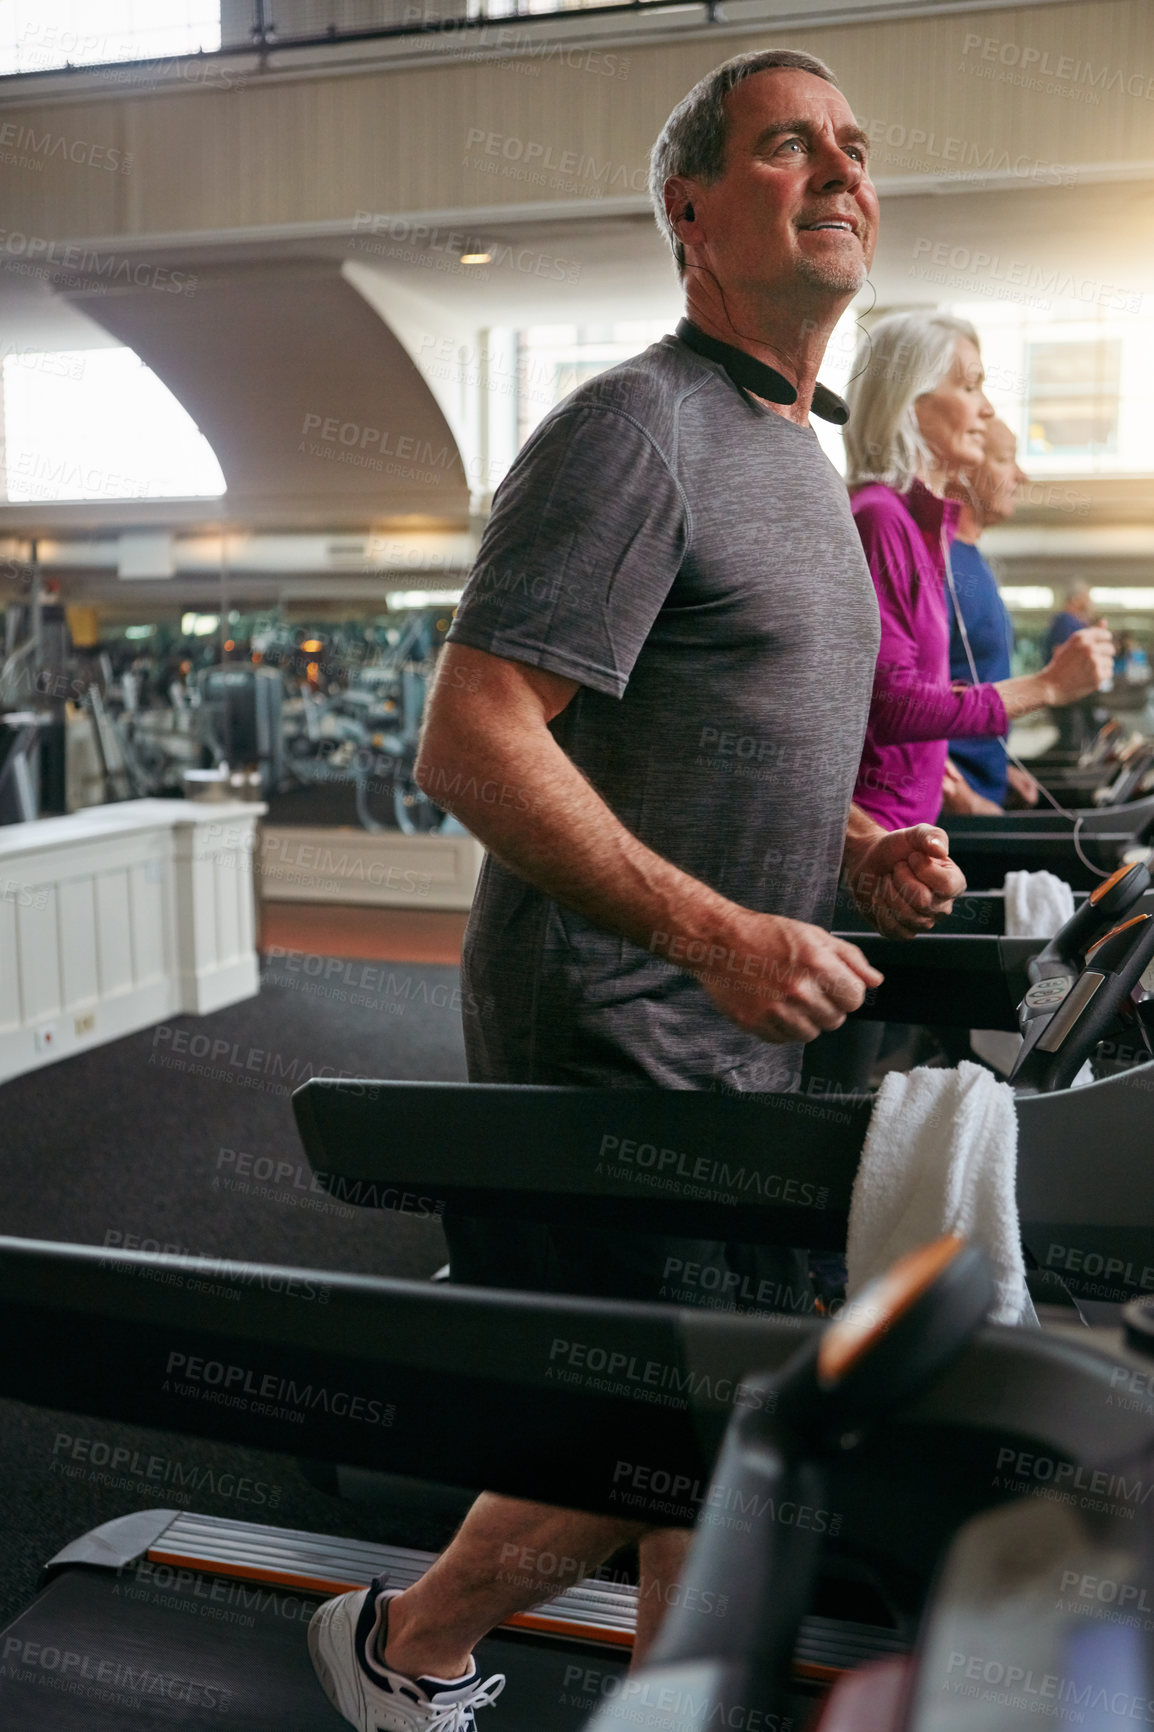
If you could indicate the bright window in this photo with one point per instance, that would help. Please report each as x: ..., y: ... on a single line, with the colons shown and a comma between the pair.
x: 1075, y: 390
x: 1136, y: 599
x: 36, y: 35
x: 552, y: 360
x: 1028, y: 598
x: 1073, y: 404
x: 97, y: 424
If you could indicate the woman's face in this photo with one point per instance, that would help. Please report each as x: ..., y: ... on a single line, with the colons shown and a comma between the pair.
x: 953, y: 418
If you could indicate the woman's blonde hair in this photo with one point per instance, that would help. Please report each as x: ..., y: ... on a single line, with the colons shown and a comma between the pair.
x: 904, y: 356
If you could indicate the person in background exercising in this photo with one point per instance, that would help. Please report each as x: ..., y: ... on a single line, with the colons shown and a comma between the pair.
x: 1131, y: 663
x: 1075, y: 614
x: 668, y: 561
x: 979, y: 777
x: 1077, y: 723
x: 918, y: 414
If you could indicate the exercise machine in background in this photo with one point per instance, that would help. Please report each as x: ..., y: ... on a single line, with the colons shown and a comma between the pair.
x: 33, y: 693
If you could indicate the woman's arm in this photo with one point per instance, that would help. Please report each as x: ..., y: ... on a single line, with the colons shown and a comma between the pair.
x: 906, y: 706
x: 1077, y: 668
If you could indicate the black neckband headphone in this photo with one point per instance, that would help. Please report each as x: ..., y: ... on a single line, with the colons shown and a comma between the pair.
x: 749, y: 374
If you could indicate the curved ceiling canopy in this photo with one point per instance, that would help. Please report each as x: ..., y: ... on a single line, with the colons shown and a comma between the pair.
x: 316, y: 413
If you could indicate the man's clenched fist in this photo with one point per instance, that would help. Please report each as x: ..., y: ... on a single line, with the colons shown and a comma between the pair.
x: 904, y: 880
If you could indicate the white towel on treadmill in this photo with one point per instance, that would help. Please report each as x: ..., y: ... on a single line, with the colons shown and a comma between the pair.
x: 1037, y: 904
x: 941, y: 1156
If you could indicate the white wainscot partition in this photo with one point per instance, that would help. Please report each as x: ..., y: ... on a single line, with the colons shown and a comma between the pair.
x: 116, y: 917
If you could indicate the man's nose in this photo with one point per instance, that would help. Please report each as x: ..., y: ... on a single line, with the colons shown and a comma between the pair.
x: 833, y: 169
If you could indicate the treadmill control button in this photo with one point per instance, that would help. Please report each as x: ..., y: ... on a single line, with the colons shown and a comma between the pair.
x: 1048, y: 994
x: 1084, y: 990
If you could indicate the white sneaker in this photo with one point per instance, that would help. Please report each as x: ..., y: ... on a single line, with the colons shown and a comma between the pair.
x: 343, y: 1646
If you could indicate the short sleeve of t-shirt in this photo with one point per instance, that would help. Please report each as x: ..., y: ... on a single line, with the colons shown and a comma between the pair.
x: 587, y: 534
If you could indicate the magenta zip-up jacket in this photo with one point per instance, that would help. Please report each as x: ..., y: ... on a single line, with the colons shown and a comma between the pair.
x: 914, y: 711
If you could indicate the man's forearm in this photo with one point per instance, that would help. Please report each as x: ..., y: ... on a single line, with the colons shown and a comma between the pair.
x: 527, y: 802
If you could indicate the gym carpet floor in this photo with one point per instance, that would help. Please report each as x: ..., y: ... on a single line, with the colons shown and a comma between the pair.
x: 129, y: 1143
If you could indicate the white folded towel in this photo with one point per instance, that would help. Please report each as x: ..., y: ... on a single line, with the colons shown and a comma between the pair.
x: 941, y: 1156
x: 1037, y: 904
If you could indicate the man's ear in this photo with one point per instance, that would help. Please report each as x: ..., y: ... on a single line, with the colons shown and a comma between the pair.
x: 680, y: 207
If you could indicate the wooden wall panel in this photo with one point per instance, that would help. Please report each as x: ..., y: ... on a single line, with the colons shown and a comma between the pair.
x: 38, y: 948
x: 10, y: 1008
x: 315, y: 150
x: 111, y: 923
x: 78, y: 947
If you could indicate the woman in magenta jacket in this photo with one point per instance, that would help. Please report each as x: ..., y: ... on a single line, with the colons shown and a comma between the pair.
x: 917, y: 419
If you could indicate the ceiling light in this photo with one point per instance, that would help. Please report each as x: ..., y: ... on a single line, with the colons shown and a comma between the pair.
x: 476, y: 258
x: 1028, y: 598
x: 398, y: 599
x: 1139, y: 600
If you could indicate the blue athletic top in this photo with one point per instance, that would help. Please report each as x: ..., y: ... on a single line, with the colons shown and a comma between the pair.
x: 981, y: 761
x: 1061, y: 627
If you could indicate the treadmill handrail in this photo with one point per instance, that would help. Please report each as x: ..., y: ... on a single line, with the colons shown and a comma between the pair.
x: 1132, y: 821
x: 77, y: 1340
x: 669, y: 1160
x: 517, y: 1152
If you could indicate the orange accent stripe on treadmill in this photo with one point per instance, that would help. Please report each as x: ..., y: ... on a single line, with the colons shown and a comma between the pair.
x: 541, y: 1622
x: 309, y: 1584
x: 1108, y: 884
x: 1135, y: 920
x: 887, y: 1298
x: 317, y: 1584
x: 548, y: 1626
x: 815, y: 1674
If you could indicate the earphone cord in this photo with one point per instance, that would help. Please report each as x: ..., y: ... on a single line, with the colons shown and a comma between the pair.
x: 1076, y: 818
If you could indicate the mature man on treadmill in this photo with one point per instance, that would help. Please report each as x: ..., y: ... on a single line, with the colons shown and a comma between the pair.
x: 651, y: 710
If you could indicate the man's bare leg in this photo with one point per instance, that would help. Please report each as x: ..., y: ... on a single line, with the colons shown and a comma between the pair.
x: 492, y: 1568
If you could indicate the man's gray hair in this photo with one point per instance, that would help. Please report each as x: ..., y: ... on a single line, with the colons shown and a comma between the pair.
x: 905, y: 356
x: 692, y: 141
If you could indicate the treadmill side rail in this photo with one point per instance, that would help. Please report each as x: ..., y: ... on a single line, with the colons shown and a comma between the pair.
x: 116, y: 1543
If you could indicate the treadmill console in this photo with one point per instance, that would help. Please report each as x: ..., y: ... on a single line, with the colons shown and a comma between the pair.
x: 1065, y: 1014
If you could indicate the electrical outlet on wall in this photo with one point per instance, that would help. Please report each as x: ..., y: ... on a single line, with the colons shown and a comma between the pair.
x: 45, y: 1038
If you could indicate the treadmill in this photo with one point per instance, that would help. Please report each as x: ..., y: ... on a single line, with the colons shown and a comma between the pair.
x: 163, y: 1619
x: 1126, y: 778
x: 985, y: 847
x: 1007, y: 1630
x: 779, y: 1169
x: 968, y: 974
x: 134, y: 1621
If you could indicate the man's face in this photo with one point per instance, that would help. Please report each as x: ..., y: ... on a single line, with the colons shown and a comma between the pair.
x: 795, y: 207
x: 995, y: 484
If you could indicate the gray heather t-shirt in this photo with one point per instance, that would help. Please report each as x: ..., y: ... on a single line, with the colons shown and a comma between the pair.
x: 689, y: 557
